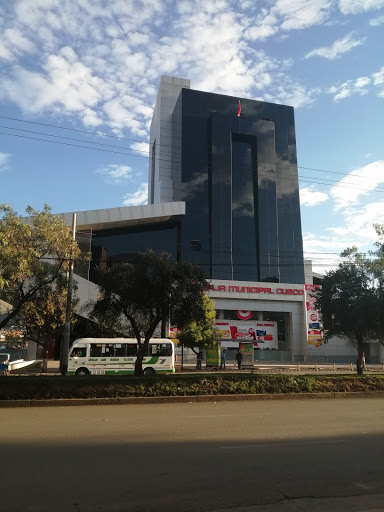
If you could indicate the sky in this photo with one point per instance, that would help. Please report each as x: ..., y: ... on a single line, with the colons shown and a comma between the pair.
x: 79, y: 80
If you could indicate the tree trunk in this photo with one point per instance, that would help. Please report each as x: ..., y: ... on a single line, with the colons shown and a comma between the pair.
x: 139, y: 364
x: 360, y: 356
x: 139, y: 360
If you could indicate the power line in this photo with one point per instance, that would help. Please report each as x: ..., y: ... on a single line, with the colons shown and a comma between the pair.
x: 65, y: 138
x: 72, y: 129
x: 324, y: 182
x: 96, y: 134
x: 68, y: 144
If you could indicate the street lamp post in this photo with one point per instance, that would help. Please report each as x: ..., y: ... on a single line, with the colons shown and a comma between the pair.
x: 67, y: 325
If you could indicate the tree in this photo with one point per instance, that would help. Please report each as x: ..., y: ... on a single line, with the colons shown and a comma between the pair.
x: 44, y: 314
x: 137, y: 296
x: 352, y: 298
x: 33, y: 253
x: 202, y: 333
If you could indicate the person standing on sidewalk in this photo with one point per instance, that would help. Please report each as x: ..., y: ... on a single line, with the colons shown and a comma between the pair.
x: 239, y: 358
x: 222, y: 363
x: 198, y: 360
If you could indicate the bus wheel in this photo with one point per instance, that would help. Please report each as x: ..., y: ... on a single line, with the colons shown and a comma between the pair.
x: 81, y: 371
x: 149, y: 371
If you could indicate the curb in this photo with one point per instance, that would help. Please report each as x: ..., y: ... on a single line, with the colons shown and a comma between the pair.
x: 63, y: 402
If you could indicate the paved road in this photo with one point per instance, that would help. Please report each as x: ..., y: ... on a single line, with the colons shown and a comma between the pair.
x: 318, y: 455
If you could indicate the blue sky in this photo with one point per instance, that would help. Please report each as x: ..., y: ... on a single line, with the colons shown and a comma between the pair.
x: 85, y: 73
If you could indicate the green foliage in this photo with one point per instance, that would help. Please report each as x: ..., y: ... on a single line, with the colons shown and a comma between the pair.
x: 12, y: 339
x: 202, y: 333
x: 33, y: 252
x: 352, y: 297
x: 136, y: 296
x: 349, y: 300
x: 46, y: 387
x: 44, y: 314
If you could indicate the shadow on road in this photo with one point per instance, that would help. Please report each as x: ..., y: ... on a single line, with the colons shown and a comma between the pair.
x: 115, y: 475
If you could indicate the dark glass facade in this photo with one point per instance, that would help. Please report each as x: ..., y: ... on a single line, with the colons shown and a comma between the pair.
x: 238, y: 178
x: 120, y: 245
x: 240, y: 184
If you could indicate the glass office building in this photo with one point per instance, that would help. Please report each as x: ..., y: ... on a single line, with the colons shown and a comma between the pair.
x: 222, y: 192
x: 233, y: 161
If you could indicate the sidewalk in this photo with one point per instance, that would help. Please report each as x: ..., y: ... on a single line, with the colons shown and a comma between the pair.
x: 264, y: 367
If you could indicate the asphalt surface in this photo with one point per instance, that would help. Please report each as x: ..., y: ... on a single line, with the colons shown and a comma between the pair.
x: 229, y: 456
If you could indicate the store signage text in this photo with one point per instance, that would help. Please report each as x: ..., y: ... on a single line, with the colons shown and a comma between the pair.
x: 255, y: 289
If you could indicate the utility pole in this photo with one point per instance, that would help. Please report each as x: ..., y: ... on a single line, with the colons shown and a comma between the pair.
x: 67, y: 326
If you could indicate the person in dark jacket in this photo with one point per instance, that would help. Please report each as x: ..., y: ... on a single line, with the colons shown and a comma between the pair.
x: 239, y: 358
x: 222, y: 364
x: 198, y: 360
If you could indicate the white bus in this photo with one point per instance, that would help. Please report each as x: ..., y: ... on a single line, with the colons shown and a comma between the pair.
x: 117, y: 356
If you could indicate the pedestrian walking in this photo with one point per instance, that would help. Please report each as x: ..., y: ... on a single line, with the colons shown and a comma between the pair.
x: 222, y: 363
x: 239, y: 358
x: 198, y: 360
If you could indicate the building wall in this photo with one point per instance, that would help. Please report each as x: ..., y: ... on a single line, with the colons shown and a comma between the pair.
x: 267, y: 297
x: 239, y: 181
x: 238, y: 177
x: 163, y: 144
x: 110, y: 246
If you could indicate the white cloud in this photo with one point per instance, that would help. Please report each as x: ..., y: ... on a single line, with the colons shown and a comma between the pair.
x: 138, y: 197
x: 116, y: 173
x: 356, y: 227
x: 120, y: 117
x: 287, y: 15
x: 14, y: 43
x: 379, y: 77
x: 358, y: 183
x: 141, y: 147
x: 358, y: 86
x: 4, y: 160
x: 299, y: 14
x: 353, y: 227
x: 266, y: 29
x: 350, y: 87
x: 293, y: 94
x: 309, y: 196
x: 339, y: 47
x: 361, y: 82
x: 110, y: 77
x: 362, y: 219
x: 324, y: 250
x: 5, y: 52
x: 378, y: 81
x: 65, y: 82
x: 356, y: 6
x: 376, y: 22
x: 91, y: 118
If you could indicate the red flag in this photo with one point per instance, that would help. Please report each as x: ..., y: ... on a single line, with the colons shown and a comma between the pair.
x: 239, y: 111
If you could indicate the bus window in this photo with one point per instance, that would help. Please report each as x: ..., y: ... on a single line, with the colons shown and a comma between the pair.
x: 95, y: 350
x: 165, y: 349
x: 153, y: 349
x: 108, y: 350
x: 131, y: 350
x: 79, y: 352
x: 120, y: 349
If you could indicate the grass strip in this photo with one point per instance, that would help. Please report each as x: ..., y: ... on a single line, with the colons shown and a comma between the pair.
x: 48, y: 387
